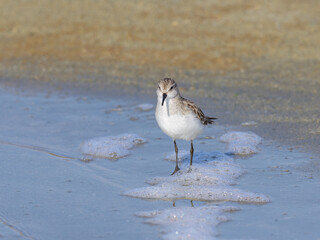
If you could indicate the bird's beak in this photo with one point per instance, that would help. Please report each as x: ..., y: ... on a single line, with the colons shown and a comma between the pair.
x: 163, y: 98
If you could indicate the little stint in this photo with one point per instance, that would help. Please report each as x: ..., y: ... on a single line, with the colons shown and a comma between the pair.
x: 178, y: 117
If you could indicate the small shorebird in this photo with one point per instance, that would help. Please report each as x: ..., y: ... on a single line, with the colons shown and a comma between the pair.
x: 178, y: 117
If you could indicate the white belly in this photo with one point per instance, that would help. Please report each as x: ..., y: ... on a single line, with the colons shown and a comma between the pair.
x: 177, y: 126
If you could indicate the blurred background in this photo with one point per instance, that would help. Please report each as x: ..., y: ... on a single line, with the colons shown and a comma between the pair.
x: 242, y: 60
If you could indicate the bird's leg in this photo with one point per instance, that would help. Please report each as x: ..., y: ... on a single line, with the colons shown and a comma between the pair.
x: 176, y: 150
x: 191, y: 153
x: 191, y: 156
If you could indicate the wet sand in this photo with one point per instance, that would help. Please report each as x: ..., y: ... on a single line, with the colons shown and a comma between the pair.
x: 241, y: 60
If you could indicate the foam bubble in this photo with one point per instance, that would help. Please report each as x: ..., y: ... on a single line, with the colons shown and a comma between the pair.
x: 209, y: 179
x: 216, y: 169
x: 175, y: 191
x: 145, y: 107
x: 111, y: 147
x: 188, y: 222
x: 242, y: 143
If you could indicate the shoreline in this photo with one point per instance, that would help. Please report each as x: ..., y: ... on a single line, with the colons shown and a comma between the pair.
x: 276, y: 121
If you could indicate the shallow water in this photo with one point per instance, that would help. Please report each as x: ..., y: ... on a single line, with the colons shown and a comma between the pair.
x: 48, y: 192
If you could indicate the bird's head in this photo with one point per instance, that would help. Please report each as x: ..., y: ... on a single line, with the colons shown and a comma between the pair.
x: 167, y: 89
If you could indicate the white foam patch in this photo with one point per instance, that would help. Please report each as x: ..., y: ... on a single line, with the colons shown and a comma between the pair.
x: 216, y: 169
x: 188, y: 222
x: 111, y: 147
x: 174, y: 191
x: 145, y: 107
x: 209, y: 179
x: 241, y: 143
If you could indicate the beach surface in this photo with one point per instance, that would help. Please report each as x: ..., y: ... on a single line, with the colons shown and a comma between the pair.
x: 242, y: 60
x: 76, y: 167
x: 83, y: 158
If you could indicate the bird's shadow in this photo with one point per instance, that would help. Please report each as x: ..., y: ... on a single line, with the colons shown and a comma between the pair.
x: 204, y: 157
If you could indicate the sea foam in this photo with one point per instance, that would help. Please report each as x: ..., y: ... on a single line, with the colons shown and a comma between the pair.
x: 188, y: 222
x: 111, y: 147
x: 241, y: 143
x: 209, y: 179
x: 212, y: 177
x: 145, y: 107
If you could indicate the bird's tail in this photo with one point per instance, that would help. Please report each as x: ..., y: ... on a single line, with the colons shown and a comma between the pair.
x: 209, y: 120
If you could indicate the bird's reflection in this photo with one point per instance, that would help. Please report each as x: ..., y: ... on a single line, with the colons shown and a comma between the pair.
x: 174, y: 203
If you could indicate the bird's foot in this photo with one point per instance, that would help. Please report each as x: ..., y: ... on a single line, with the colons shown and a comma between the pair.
x: 175, y: 170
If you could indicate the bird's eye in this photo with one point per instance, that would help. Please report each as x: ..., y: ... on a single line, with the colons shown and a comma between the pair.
x: 159, y: 88
x: 171, y: 88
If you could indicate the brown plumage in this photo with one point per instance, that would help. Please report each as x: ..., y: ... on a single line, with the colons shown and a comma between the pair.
x: 205, y: 120
x: 167, y: 83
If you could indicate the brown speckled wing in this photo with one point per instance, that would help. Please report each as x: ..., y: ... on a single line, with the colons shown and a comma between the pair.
x: 204, y: 119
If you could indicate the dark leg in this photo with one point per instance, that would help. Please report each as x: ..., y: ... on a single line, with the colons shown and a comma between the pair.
x: 176, y: 150
x: 191, y: 153
x: 191, y: 201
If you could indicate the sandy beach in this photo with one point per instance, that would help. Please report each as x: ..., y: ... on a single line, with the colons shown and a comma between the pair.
x: 83, y: 158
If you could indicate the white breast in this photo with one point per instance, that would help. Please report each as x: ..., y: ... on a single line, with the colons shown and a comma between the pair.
x: 178, y: 125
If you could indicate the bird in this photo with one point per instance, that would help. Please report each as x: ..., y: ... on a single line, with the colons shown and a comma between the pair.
x: 177, y: 117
